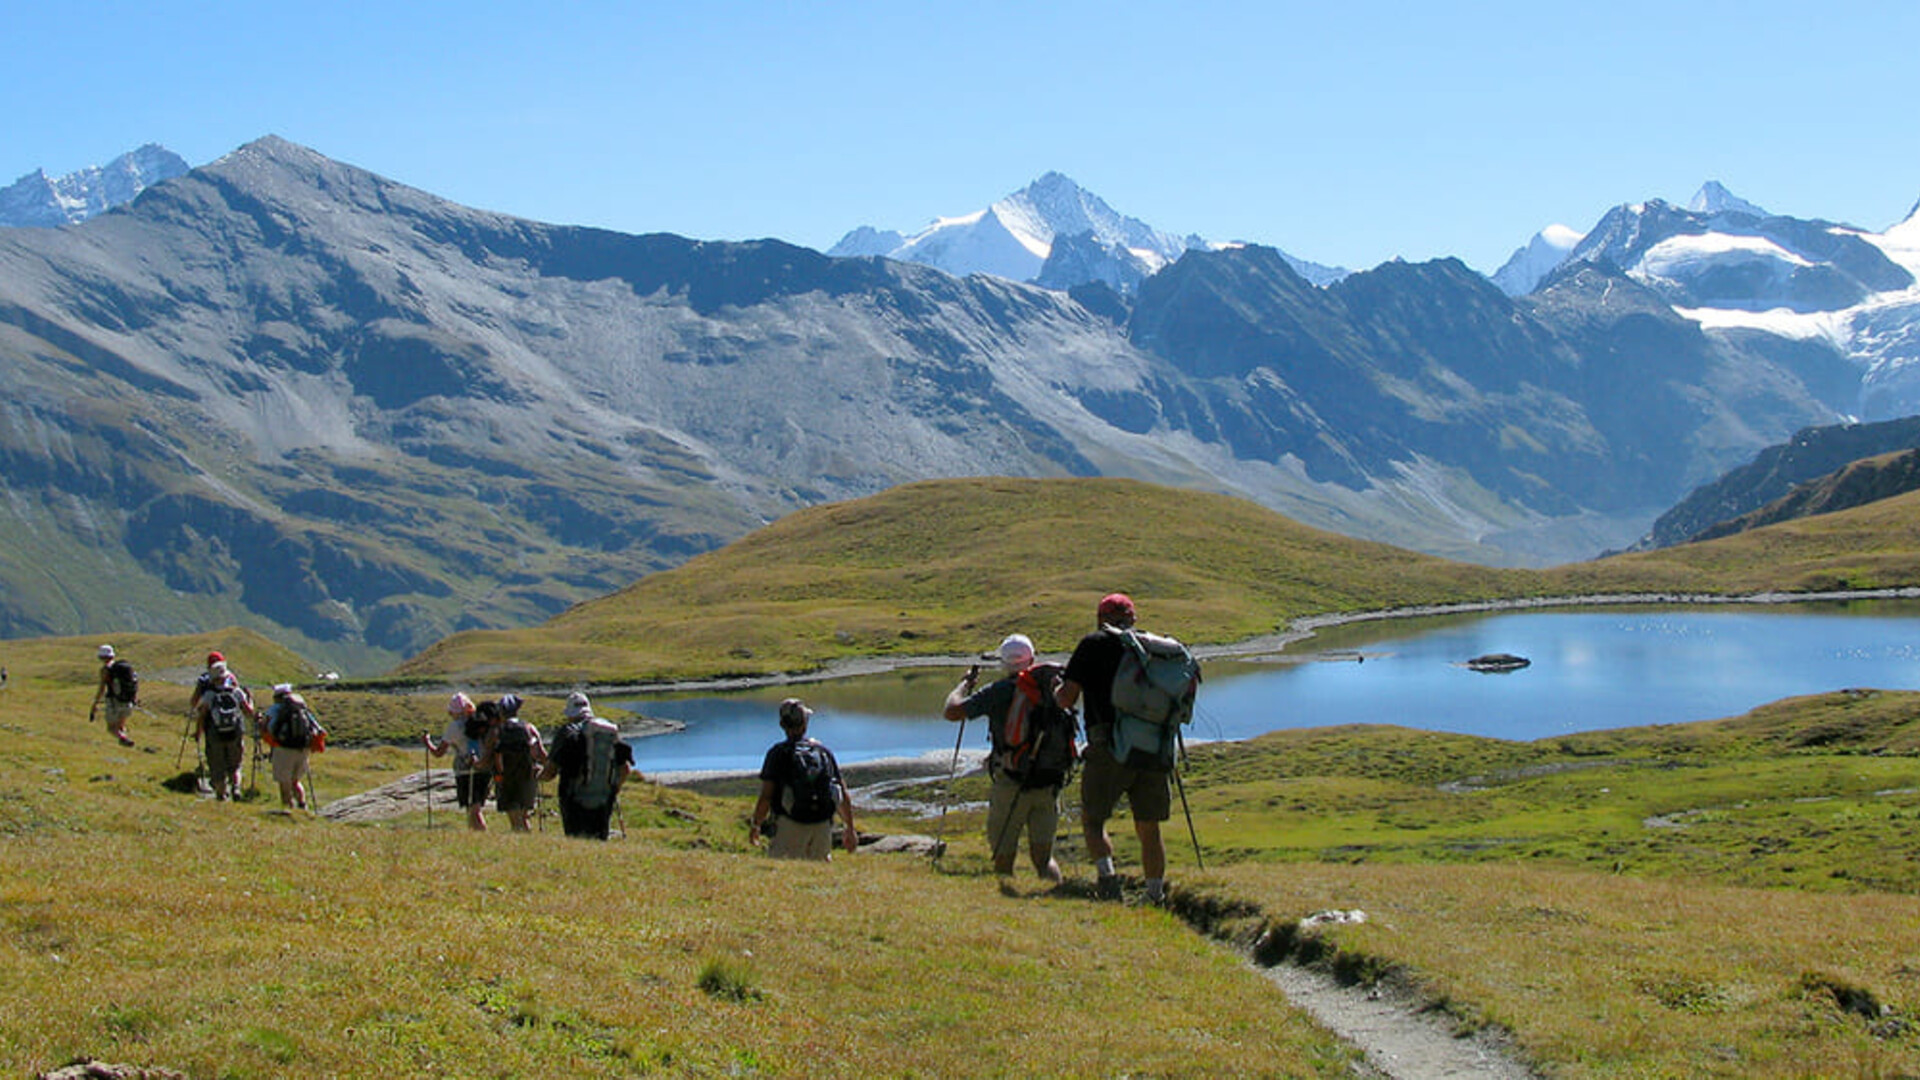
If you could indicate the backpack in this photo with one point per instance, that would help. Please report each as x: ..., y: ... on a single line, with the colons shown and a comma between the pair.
x: 595, y: 788
x: 293, y: 726
x: 123, y: 683
x: 1035, y: 744
x: 1153, y: 691
x: 811, y: 793
x: 513, y: 751
x: 224, y: 715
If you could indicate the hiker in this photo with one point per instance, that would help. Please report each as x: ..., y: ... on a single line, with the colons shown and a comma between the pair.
x: 512, y: 753
x: 1103, y: 780
x: 295, y: 735
x: 1030, y: 760
x: 466, y: 733
x: 222, y: 712
x: 119, y: 690
x: 592, y: 762
x: 208, y: 678
x: 800, y: 790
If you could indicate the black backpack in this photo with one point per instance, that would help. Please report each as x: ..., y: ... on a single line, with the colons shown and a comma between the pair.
x: 513, y: 750
x: 812, y: 790
x: 123, y: 683
x: 224, y: 715
x: 1035, y: 743
x: 294, y: 726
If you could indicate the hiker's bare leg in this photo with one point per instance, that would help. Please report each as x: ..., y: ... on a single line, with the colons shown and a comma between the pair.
x: 1153, y: 853
x: 1043, y: 863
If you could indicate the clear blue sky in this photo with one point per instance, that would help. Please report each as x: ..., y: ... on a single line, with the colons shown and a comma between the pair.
x: 1344, y: 131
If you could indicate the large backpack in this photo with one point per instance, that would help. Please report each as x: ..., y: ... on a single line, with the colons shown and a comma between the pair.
x: 1153, y: 691
x: 513, y: 750
x: 225, y: 718
x: 123, y: 683
x: 1035, y: 744
x: 811, y: 793
x: 598, y: 740
x: 293, y: 726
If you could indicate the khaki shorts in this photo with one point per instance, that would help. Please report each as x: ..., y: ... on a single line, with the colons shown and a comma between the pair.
x: 1103, y: 781
x: 289, y: 766
x: 792, y: 840
x: 117, y: 713
x: 1010, y: 810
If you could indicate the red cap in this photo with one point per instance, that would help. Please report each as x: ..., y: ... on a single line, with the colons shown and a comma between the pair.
x: 214, y: 658
x: 1116, y: 609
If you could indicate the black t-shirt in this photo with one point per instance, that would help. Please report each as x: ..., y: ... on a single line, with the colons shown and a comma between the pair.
x: 780, y: 767
x: 1094, y: 663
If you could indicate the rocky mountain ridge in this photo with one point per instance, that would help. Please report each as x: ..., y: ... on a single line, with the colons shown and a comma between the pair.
x: 285, y: 392
x: 37, y: 200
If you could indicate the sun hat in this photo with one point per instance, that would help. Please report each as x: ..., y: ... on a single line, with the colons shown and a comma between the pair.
x: 214, y: 658
x: 1017, y: 652
x: 283, y: 689
x: 459, y: 705
x: 1116, y: 609
x: 510, y: 705
x: 578, y: 705
x: 106, y: 652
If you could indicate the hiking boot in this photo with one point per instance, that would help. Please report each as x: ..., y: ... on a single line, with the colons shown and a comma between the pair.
x: 1108, y: 887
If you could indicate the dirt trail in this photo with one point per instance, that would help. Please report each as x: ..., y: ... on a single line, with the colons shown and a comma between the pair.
x: 1400, y: 1041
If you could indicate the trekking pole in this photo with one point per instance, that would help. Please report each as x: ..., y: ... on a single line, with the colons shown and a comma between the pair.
x: 1181, y: 785
x: 946, y: 793
x: 426, y: 760
x: 180, y: 755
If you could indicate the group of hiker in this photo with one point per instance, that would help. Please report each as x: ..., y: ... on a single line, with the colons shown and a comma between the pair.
x: 1133, y: 705
x: 221, y: 716
x: 495, y: 749
x: 1135, y: 688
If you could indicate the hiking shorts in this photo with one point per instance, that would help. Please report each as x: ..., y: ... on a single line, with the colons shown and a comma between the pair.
x: 1011, y: 809
x: 1103, y: 781
x: 792, y: 840
x: 224, y: 757
x: 471, y: 787
x: 289, y: 766
x: 515, y: 793
x: 117, y: 713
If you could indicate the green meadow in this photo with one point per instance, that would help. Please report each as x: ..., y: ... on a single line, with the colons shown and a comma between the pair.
x: 1734, y: 898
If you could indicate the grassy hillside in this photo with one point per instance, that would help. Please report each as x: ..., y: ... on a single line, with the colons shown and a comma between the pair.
x: 952, y: 566
x: 1734, y: 898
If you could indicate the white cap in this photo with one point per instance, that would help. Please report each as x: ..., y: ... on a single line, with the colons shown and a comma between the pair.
x: 106, y: 652
x: 578, y: 705
x: 1017, y: 652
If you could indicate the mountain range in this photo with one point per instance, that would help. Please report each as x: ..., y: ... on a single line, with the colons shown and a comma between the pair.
x: 285, y: 392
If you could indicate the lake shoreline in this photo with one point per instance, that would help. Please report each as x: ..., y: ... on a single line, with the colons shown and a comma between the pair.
x: 1262, y: 646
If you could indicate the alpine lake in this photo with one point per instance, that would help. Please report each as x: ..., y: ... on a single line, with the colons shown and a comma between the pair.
x: 1590, y: 668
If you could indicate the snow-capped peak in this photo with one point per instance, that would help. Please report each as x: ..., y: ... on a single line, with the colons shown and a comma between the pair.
x: 1714, y: 198
x: 1529, y: 265
x: 38, y: 200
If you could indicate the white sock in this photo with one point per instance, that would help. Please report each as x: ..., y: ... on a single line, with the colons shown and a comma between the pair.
x: 1105, y: 866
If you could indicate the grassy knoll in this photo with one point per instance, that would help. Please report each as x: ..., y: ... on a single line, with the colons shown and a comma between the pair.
x: 951, y: 566
x: 947, y: 566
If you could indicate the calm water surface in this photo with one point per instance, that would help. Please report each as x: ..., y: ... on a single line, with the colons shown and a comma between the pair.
x: 1592, y: 669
